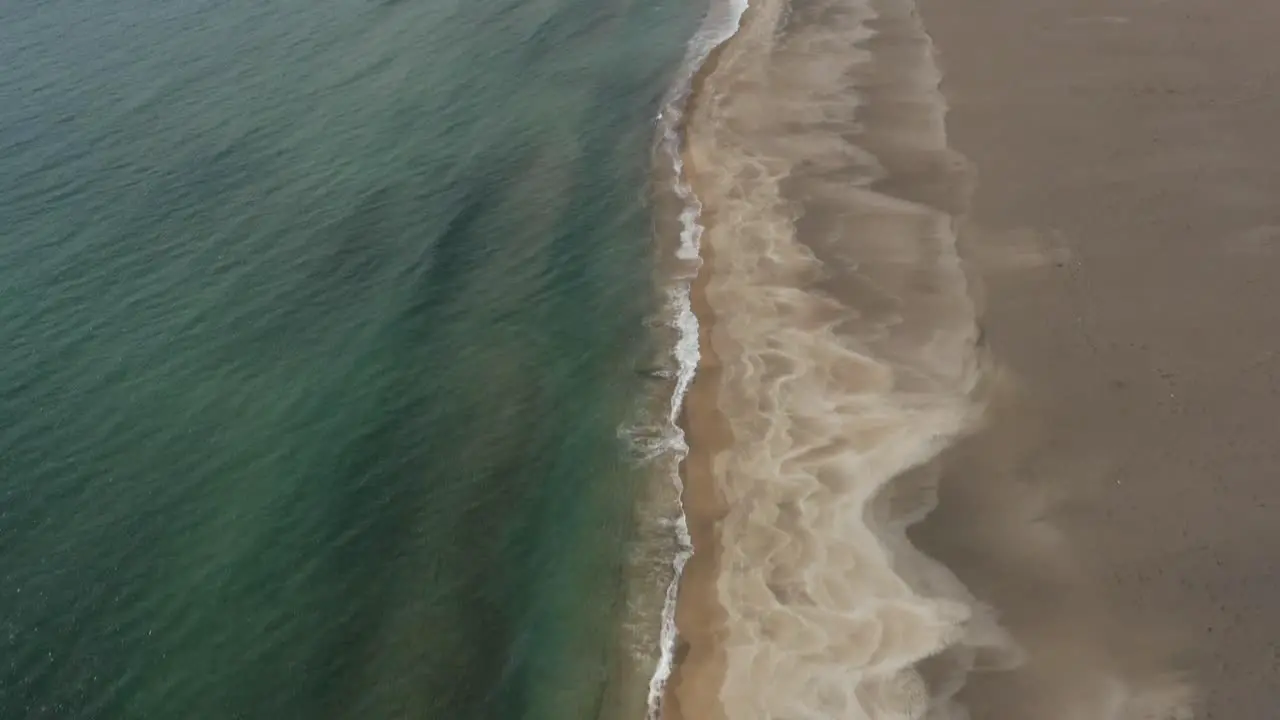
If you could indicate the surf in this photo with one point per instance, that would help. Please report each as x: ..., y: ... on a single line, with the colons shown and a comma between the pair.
x: 718, y: 27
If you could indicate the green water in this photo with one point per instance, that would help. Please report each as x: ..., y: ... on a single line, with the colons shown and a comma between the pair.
x: 318, y: 322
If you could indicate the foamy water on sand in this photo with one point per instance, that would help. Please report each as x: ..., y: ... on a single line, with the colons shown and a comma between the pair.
x: 849, y: 350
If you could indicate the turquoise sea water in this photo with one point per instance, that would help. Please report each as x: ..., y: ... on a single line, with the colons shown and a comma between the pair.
x: 318, y: 322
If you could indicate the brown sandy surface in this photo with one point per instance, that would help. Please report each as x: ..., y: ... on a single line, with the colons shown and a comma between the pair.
x: 1126, y: 232
x: 691, y: 693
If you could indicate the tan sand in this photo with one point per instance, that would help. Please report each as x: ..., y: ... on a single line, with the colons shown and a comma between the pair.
x: 841, y: 355
x: 691, y: 694
x: 1120, y: 511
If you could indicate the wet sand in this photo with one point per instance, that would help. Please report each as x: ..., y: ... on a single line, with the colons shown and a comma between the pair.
x: 838, y: 354
x: 699, y: 667
x: 1120, y: 508
x: 699, y: 616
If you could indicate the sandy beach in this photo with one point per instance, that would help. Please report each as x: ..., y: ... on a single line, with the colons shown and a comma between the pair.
x: 699, y: 616
x: 1119, y: 510
x: 1105, y: 167
x: 838, y: 353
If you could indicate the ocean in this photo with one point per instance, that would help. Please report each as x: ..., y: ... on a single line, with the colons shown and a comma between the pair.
x: 336, y: 357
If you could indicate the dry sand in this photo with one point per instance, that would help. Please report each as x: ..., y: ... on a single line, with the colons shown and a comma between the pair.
x: 1120, y: 511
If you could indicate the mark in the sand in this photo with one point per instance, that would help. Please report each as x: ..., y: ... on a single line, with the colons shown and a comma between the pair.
x: 1021, y: 248
x: 1100, y: 20
x: 1259, y: 240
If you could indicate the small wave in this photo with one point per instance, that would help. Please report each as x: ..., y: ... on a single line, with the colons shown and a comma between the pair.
x: 718, y: 27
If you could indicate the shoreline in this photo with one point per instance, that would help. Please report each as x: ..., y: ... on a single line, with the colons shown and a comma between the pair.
x: 697, y: 683
x: 699, y: 617
x: 699, y: 664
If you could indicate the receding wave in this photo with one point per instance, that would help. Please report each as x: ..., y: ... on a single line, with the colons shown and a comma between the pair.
x: 719, y: 25
x: 847, y: 341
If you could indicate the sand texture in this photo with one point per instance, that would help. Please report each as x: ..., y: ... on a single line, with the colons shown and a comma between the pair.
x: 1120, y: 511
